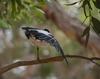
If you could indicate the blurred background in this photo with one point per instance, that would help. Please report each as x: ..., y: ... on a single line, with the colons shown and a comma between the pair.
x: 14, y: 45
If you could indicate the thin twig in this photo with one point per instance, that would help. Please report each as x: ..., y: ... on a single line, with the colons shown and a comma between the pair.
x: 47, y: 60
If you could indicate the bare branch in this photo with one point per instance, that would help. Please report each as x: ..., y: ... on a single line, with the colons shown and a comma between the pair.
x: 47, y: 60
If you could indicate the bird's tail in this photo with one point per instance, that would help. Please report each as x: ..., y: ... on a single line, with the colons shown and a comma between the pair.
x: 62, y: 53
x: 59, y: 49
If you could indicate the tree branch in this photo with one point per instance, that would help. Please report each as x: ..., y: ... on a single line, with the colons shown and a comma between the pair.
x: 47, y: 60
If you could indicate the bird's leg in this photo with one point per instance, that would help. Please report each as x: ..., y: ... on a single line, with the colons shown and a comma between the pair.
x: 38, y: 53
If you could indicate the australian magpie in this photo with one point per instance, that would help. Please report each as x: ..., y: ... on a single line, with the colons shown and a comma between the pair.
x: 43, y: 35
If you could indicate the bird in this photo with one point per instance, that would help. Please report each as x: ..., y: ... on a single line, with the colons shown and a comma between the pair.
x: 42, y: 36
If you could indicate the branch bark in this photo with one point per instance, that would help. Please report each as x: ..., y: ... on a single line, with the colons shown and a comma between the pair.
x: 47, y: 60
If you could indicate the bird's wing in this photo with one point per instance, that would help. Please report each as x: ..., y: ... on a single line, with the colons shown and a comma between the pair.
x: 53, y: 42
x: 47, y: 38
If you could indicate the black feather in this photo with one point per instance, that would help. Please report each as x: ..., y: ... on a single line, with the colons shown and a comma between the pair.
x: 52, y: 41
x: 46, y: 30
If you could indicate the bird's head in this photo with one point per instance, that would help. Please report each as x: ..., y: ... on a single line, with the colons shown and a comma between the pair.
x: 27, y: 31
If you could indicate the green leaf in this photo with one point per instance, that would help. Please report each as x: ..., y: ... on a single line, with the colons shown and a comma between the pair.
x: 86, y: 31
x: 87, y: 39
x: 96, y: 25
x: 85, y: 11
x: 85, y: 2
x: 72, y: 3
x: 87, y: 34
x: 89, y: 5
x: 97, y: 4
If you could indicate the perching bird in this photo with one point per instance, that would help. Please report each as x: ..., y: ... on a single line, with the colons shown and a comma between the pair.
x: 43, y: 36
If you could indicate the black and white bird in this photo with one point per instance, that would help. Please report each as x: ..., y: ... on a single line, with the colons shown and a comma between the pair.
x: 43, y: 36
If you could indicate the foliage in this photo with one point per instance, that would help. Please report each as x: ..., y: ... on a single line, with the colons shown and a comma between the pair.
x: 16, y: 12
x: 96, y: 25
x: 88, y: 7
x: 3, y: 24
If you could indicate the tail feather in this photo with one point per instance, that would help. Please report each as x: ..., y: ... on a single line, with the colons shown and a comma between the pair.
x: 59, y: 49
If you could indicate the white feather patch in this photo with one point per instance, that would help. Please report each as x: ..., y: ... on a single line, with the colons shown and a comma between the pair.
x: 44, y: 32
